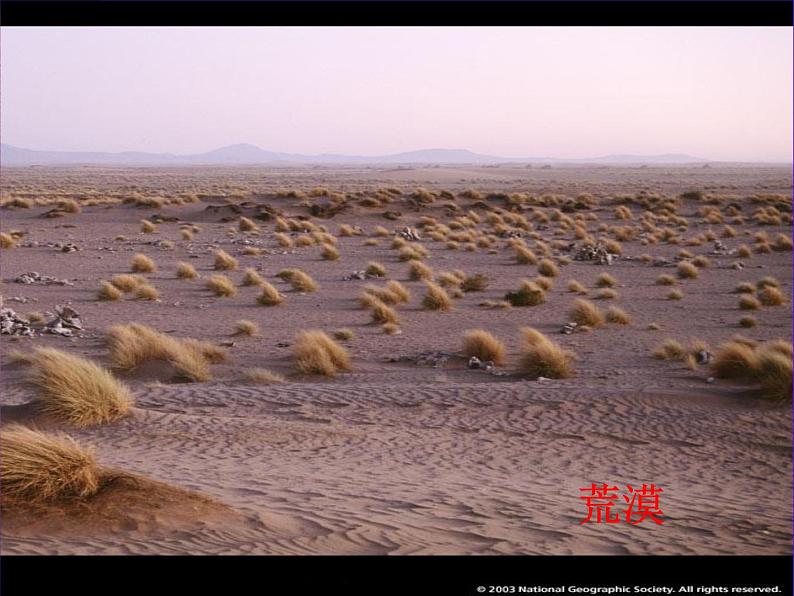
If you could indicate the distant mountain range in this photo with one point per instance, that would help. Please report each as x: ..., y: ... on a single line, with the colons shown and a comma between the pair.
x: 244, y: 154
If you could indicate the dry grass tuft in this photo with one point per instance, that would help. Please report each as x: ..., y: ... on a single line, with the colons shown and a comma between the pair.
x: 767, y: 282
x: 382, y: 312
x: 586, y: 313
x: 344, y: 334
x: 665, y: 280
x: 39, y: 467
x: 142, y: 264
x: 246, y: 327
x: 577, y: 288
x: 606, y: 294
x: 670, y: 349
x: 252, y: 278
x: 402, y: 293
x: 147, y: 292
x: 748, y: 321
x: 270, y: 296
x: 735, y: 360
x: 474, y: 283
x: 375, y: 269
x: 247, y: 225
x: 329, y: 252
x: 542, y: 357
x: 391, y: 329
x: 76, y: 390
x: 745, y: 288
x: 148, y: 227
x: 547, y: 268
x: 316, y: 353
x: 483, y: 345
x: 224, y: 261
x: 528, y: 294
x: 748, y: 302
x: 687, y: 270
x: 263, y: 376
x: 126, y: 283
x: 436, y: 298
x: 771, y: 296
x: 605, y: 280
x: 618, y: 316
x: 7, y: 240
x: 525, y: 256
x: 109, y: 292
x: 221, y: 286
x: 419, y: 271
x: 675, y: 295
x: 283, y: 240
x: 133, y: 344
x: 299, y: 280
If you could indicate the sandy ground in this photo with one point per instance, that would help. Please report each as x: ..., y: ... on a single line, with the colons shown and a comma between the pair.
x: 396, y: 458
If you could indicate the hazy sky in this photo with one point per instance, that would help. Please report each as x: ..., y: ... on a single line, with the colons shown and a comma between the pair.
x: 718, y: 93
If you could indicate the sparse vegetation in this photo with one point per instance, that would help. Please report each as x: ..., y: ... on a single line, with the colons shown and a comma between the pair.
x: 586, y: 313
x: 224, y: 261
x: 317, y: 354
x: 483, y: 345
x: 436, y: 298
x: 270, y: 296
x: 142, y: 264
x: 542, y: 357
x: 246, y: 327
x: 221, y: 286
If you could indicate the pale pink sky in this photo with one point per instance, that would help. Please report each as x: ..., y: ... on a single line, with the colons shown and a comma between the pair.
x: 712, y: 92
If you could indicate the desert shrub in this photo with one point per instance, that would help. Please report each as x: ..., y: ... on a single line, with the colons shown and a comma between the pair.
x: 586, y: 313
x: 316, y: 353
x: 436, y: 298
x: 483, y: 345
x: 221, y: 286
x: 542, y: 357
x: 142, y: 264
x: 224, y: 261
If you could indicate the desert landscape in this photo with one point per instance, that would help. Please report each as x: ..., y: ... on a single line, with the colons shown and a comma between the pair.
x: 394, y: 359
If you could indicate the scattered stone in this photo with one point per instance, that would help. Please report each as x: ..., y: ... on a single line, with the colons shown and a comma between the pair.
x: 590, y: 252
x: 69, y: 247
x: 66, y: 322
x: 34, y: 277
x: 710, y: 380
x: 355, y: 275
x: 568, y: 328
x: 228, y: 344
x: 12, y: 324
x: 703, y: 357
x: 477, y: 364
x: 410, y: 233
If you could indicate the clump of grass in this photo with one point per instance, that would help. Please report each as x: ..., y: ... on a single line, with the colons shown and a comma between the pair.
x: 542, y: 357
x: 774, y: 372
x: 316, y: 353
x: 782, y: 242
x: 687, y: 270
x: 300, y: 280
x: 771, y: 296
x: 148, y: 227
x: 142, y: 264
x: 474, y: 283
x: 252, y: 251
x: 399, y: 290
x: 436, y: 298
x: 39, y: 467
x: 246, y: 327
x: 7, y: 240
x: 375, y: 269
x: 577, y: 288
x: 77, y: 391
x: 419, y: 271
x: 147, y: 292
x: 670, y: 349
x: 744, y: 251
x: 605, y: 280
x: 109, y: 292
x: 221, y: 286
x: 528, y: 294
x: 247, y: 225
x: 768, y: 282
x: 382, y: 312
x: 252, y: 278
x: 748, y: 321
x: 133, y: 344
x: 545, y: 283
x: 525, y: 256
x: 665, y: 280
x: 224, y: 261
x: 329, y: 252
x: 675, y: 295
x: 748, y: 302
x: 586, y: 313
x: 606, y: 294
x: 653, y: 327
x: 745, y: 288
x: 186, y: 271
x: 391, y: 329
x: 618, y: 316
x: 483, y: 345
x: 283, y: 240
x: 270, y: 296
x: 548, y: 268
x: 701, y: 262
x: 344, y: 334
x: 186, y: 234
x: 734, y: 360
x: 126, y: 283
x: 263, y: 376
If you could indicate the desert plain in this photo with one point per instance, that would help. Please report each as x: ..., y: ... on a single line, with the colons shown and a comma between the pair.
x: 397, y: 441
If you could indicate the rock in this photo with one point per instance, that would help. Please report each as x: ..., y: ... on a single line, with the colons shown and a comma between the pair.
x: 34, y: 277
x: 355, y: 275
x: 568, y: 328
x: 703, y: 357
x: 710, y: 380
x: 66, y: 322
x: 409, y: 233
x: 69, y: 247
x: 475, y: 362
x: 592, y: 252
x: 13, y: 324
x: 228, y: 344
x: 543, y: 379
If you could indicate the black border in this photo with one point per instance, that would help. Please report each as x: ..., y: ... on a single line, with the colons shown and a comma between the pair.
x: 380, y: 576
x: 397, y: 12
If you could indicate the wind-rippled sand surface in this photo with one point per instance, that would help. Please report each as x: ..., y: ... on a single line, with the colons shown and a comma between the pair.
x: 397, y: 458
